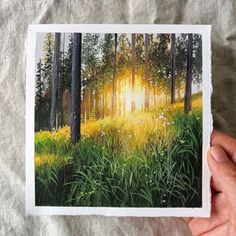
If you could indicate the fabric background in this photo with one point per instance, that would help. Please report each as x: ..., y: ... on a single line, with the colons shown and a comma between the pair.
x: 15, y: 16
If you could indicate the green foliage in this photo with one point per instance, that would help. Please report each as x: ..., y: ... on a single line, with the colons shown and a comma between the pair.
x: 159, y: 61
x: 43, y: 85
x: 123, y: 54
x: 165, y: 172
x: 197, y: 58
x: 90, y: 61
x: 50, y: 184
x: 107, y: 57
x: 41, y: 100
x: 139, y: 45
x: 60, y: 146
x: 48, y: 60
x: 38, y: 95
x: 97, y: 70
x: 65, y: 67
x: 181, y: 59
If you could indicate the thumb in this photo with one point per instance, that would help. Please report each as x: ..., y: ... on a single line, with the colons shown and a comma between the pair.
x: 223, y: 172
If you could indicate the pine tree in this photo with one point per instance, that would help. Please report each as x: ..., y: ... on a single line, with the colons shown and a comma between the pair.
x: 123, y: 53
x: 55, y: 80
x: 188, y: 86
x: 113, y: 78
x: 140, y: 53
x: 197, y: 58
x: 106, y: 69
x: 133, y: 53
x: 146, y: 71
x: 159, y: 61
x: 65, y: 61
x: 38, y: 96
x: 173, y: 67
x: 65, y: 67
x: 181, y: 62
x: 48, y: 61
x: 47, y: 65
x: 90, y: 68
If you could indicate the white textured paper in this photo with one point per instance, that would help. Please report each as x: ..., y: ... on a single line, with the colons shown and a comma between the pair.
x: 31, y: 208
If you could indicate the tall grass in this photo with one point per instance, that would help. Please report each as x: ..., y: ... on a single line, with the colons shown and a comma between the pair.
x: 110, y: 168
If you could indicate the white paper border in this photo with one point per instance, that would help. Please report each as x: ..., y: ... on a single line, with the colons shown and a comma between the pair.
x: 31, y: 209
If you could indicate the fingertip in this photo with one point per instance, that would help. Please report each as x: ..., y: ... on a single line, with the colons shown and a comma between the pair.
x: 226, y: 142
x: 215, y: 158
x: 218, y: 154
x: 223, y: 171
x: 217, y: 137
x: 213, y: 135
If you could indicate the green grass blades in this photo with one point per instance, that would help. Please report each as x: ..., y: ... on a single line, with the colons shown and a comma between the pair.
x: 150, y: 160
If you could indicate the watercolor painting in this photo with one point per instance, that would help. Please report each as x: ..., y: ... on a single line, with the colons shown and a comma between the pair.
x: 118, y: 120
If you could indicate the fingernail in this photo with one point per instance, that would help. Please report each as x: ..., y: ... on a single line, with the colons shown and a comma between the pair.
x: 219, y: 155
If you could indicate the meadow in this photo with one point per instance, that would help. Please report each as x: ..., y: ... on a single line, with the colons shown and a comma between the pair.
x: 143, y: 159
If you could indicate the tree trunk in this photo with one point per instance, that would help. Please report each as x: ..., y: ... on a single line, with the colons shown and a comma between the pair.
x: 119, y: 97
x: 103, y: 104
x: 40, y: 96
x: 155, y: 95
x: 88, y: 104
x: 113, y: 81
x: 146, y: 73
x: 84, y: 107
x: 188, y: 87
x: 133, y: 52
x: 173, y: 66
x: 63, y: 64
x: 76, y: 88
x: 55, y: 78
x: 91, y: 102
x: 96, y: 108
x: 106, y: 107
x: 179, y: 96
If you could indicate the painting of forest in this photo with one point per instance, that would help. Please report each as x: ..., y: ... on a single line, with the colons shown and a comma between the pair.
x: 118, y: 120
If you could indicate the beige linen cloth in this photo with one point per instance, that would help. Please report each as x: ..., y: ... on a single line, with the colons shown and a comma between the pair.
x: 15, y: 15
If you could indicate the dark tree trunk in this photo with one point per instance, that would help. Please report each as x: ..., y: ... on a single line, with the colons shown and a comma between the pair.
x: 146, y: 73
x: 113, y: 80
x: 76, y: 88
x: 188, y: 87
x: 173, y: 66
x: 133, y: 52
x: 55, y: 79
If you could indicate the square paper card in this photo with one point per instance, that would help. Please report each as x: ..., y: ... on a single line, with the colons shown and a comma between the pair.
x: 118, y: 120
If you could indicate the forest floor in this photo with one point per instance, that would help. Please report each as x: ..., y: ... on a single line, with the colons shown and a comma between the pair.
x: 145, y: 159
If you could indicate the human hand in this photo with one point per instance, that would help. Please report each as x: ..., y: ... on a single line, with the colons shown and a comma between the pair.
x: 222, y: 163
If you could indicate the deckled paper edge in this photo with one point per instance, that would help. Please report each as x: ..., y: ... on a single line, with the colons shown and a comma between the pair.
x: 203, y: 211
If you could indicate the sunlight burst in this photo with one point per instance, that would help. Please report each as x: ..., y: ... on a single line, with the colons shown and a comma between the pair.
x: 127, y: 94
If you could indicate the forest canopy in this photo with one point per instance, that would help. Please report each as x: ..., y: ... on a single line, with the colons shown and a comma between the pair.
x: 120, y: 73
